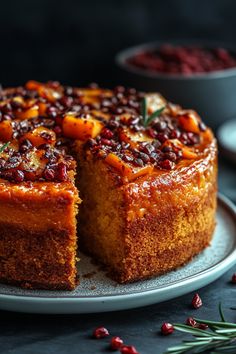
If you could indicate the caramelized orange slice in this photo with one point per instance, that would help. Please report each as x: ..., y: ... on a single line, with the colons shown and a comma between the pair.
x: 189, y: 122
x: 81, y: 128
x: 125, y: 169
x: 133, y: 138
x: 40, y: 136
x: 6, y: 131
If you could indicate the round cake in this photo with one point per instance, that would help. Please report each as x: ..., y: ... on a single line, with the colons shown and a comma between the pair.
x: 145, y: 185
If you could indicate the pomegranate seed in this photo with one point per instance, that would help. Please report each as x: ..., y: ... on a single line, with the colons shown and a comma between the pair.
x: 191, y: 322
x: 116, y: 343
x: 49, y: 174
x: 151, y: 132
x: 52, y: 112
x: 167, y: 328
x: 167, y: 164
x: 233, y: 280
x: 61, y: 172
x: 57, y: 129
x: 100, y: 332
x: 128, y: 349
x: 18, y: 176
x: 202, y: 326
x: 107, y: 133
x: 196, y: 301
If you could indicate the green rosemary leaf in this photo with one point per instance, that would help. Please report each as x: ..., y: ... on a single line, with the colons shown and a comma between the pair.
x: 4, y: 146
x: 154, y: 115
x: 144, y: 110
x: 191, y: 330
x: 221, y: 313
x: 220, y: 340
x: 148, y: 119
x: 226, y: 330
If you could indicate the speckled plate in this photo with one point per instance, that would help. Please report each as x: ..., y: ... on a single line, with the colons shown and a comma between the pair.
x: 98, y: 293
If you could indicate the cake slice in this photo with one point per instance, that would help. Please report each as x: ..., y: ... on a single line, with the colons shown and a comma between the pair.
x: 38, y: 239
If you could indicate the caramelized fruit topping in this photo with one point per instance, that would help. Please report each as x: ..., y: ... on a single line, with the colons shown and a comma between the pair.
x: 41, y: 122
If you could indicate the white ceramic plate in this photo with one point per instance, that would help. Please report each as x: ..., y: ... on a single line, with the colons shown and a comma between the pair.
x: 98, y: 293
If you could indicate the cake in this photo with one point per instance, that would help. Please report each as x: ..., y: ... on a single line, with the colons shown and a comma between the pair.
x: 126, y: 175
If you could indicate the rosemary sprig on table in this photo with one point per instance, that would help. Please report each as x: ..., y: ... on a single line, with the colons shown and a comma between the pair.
x: 4, y: 146
x: 148, y: 119
x: 221, y: 339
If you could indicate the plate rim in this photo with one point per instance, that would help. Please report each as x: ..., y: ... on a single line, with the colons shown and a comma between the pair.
x: 223, y: 265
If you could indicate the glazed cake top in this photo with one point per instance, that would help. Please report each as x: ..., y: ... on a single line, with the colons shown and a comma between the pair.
x: 133, y: 132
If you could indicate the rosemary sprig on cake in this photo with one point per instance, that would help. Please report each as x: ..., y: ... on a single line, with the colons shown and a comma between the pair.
x: 144, y: 112
x: 221, y: 339
x: 4, y: 146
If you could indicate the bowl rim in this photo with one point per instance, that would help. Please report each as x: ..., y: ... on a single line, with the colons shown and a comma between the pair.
x: 122, y: 56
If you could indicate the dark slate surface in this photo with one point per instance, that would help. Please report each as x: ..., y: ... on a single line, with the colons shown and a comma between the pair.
x: 62, y: 334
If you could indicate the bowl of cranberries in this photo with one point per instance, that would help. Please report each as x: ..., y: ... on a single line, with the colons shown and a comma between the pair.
x: 198, y: 76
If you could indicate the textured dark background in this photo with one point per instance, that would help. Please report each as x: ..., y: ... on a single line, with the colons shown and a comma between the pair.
x: 75, y: 41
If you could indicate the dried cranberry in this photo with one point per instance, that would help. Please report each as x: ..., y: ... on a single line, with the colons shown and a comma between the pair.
x: 175, y: 134
x: 167, y: 328
x: 49, y: 174
x: 233, y: 279
x: 138, y: 162
x: 66, y: 101
x: 151, y: 132
x: 52, y: 111
x: 107, y: 133
x: 61, y: 172
x: 160, y: 126
x: 116, y: 343
x: 106, y: 142
x: 18, y: 176
x: 100, y: 332
x: 161, y: 137
x: 170, y: 156
x: 196, y: 301
x: 166, y: 164
x: 128, y: 349
x: 57, y: 129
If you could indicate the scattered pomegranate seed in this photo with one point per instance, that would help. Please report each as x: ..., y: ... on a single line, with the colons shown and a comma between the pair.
x: 233, y: 280
x: 202, y: 326
x: 167, y: 328
x: 128, y: 349
x: 196, y: 301
x: 116, y: 343
x: 100, y: 332
x: 191, y: 322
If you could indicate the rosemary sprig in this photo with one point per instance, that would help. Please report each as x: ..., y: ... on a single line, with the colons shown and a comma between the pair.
x: 4, y: 146
x: 220, y: 340
x: 148, y: 119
